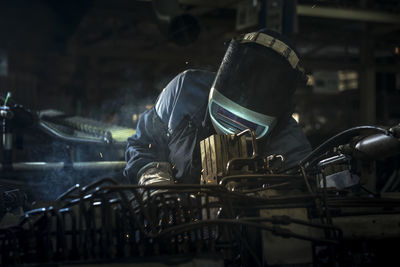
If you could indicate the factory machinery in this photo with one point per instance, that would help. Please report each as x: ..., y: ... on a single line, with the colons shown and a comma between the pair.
x: 45, y: 152
x: 339, y: 206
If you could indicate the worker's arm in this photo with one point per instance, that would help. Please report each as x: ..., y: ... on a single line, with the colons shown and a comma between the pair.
x: 147, y: 146
x: 184, y: 97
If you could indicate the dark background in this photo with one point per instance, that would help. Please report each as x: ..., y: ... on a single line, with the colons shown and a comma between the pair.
x: 108, y: 60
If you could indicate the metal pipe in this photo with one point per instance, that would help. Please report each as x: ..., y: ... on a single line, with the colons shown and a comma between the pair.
x: 377, y: 146
x: 395, y: 130
x: 339, y: 138
x: 47, y: 166
x: 347, y: 13
x: 99, y: 165
x: 270, y: 177
x: 6, y: 116
x: 57, y: 134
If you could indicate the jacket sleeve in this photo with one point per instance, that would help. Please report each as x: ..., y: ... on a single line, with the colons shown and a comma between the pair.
x: 290, y: 142
x: 148, y: 144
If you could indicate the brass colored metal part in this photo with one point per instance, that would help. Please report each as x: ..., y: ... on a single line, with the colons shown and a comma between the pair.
x: 216, y: 152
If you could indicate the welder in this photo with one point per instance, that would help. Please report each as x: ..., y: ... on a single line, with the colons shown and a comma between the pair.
x: 253, y: 89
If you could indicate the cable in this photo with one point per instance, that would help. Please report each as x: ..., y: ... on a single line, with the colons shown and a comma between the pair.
x: 338, y: 138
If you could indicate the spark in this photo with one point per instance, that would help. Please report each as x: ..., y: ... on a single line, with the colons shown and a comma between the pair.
x: 7, y: 97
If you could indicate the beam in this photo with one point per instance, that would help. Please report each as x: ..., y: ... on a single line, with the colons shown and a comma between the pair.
x: 347, y: 14
x: 367, y: 83
x: 329, y: 64
x: 230, y: 4
x: 314, y: 11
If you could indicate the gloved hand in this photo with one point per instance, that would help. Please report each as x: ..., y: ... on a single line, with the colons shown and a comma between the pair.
x: 156, y: 173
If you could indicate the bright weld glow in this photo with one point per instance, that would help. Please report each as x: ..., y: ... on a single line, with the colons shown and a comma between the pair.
x: 296, y: 117
x: 310, y: 80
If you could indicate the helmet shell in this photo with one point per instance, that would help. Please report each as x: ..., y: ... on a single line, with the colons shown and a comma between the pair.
x: 257, y: 77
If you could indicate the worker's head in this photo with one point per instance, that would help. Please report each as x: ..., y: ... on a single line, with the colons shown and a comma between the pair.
x: 255, y: 83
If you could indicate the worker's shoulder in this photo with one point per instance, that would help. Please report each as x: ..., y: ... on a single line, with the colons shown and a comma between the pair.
x: 194, y: 86
x: 200, y: 79
x: 185, y: 95
x: 188, y: 83
x: 197, y: 73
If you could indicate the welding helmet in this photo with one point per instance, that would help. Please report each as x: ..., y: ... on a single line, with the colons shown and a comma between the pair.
x: 255, y: 83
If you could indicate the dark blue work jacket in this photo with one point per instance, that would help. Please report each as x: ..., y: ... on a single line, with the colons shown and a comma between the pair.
x: 172, y: 130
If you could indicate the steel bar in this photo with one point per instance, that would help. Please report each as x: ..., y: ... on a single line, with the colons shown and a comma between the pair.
x: 58, y: 166
x: 348, y: 14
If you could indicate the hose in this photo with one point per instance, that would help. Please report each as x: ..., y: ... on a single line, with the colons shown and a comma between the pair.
x: 338, y: 138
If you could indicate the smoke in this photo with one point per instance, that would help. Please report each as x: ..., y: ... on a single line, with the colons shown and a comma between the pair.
x: 122, y: 105
x: 48, y: 184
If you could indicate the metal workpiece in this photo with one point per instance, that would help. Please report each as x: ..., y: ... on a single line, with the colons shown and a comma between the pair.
x: 339, y: 140
x: 99, y: 165
x: 378, y: 146
x: 47, y: 128
x: 216, y: 152
x: 395, y: 131
x: 375, y: 146
x: 244, y: 211
x: 6, y: 112
x: 7, y: 141
x: 6, y: 115
x: 338, y: 159
x: 124, y: 221
x: 110, y: 216
x: 375, y: 143
x: 225, y: 156
x: 85, y: 131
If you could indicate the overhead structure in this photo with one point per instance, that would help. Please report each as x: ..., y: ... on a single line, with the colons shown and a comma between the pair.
x: 348, y: 14
x: 179, y: 27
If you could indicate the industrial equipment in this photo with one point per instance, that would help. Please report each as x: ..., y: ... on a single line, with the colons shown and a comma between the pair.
x: 335, y: 208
